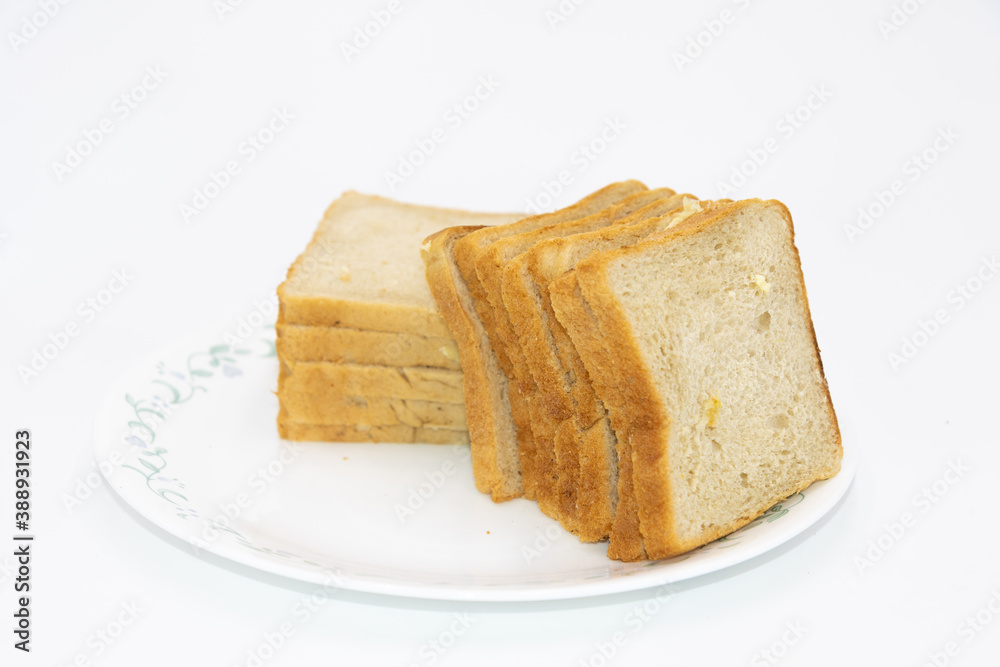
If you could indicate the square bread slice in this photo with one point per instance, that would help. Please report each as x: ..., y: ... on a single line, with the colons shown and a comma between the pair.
x: 554, y: 365
x: 537, y: 460
x: 449, y: 257
x: 717, y: 380
x: 508, y: 258
x: 362, y: 269
x: 301, y: 342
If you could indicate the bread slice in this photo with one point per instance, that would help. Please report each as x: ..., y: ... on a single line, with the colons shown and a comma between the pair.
x: 555, y: 367
x: 718, y: 383
x: 449, y: 257
x: 360, y: 433
x: 496, y: 469
x: 301, y: 342
x: 362, y: 269
x: 328, y: 407
x: 319, y: 379
x: 498, y: 267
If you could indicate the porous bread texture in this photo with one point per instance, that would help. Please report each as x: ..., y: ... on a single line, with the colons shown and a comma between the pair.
x: 360, y: 433
x: 362, y: 269
x: 321, y: 378
x: 597, y: 375
x: 459, y: 285
x: 495, y: 468
x: 329, y: 407
x: 301, y: 342
x: 541, y: 341
x: 719, y: 372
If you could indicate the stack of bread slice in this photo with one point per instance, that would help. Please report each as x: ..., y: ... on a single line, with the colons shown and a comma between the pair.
x: 365, y: 354
x: 641, y: 363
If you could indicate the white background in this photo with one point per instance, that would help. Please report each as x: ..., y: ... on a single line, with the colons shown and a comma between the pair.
x: 688, y: 127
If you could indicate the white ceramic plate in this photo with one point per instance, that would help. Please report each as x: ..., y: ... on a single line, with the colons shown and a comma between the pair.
x: 188, y: 440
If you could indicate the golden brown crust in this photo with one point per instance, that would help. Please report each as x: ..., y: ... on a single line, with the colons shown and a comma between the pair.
x: 562, y: 385
x: 357, y: 346
x: 326, y: 312
x: 466, y: 251
x: 418, y: 383
x: 353, y: 433
x: 496, y: 266
x: 635, y: 405
x: 593, y: 483
x: 812, y: 329
x: 329, y: 407
x: 626, y: 539
x: 482, y: 395
x: 535, y: 319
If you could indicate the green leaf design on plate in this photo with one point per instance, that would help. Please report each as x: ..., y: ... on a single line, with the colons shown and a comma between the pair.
x: 151, y: 461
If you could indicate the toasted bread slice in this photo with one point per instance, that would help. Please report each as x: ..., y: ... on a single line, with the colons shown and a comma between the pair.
x: 718, y: 383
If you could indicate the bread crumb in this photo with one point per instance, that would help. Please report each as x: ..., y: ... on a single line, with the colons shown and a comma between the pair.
x: 345, y: 274
x: 762, y: 283
x: 345, y: 458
